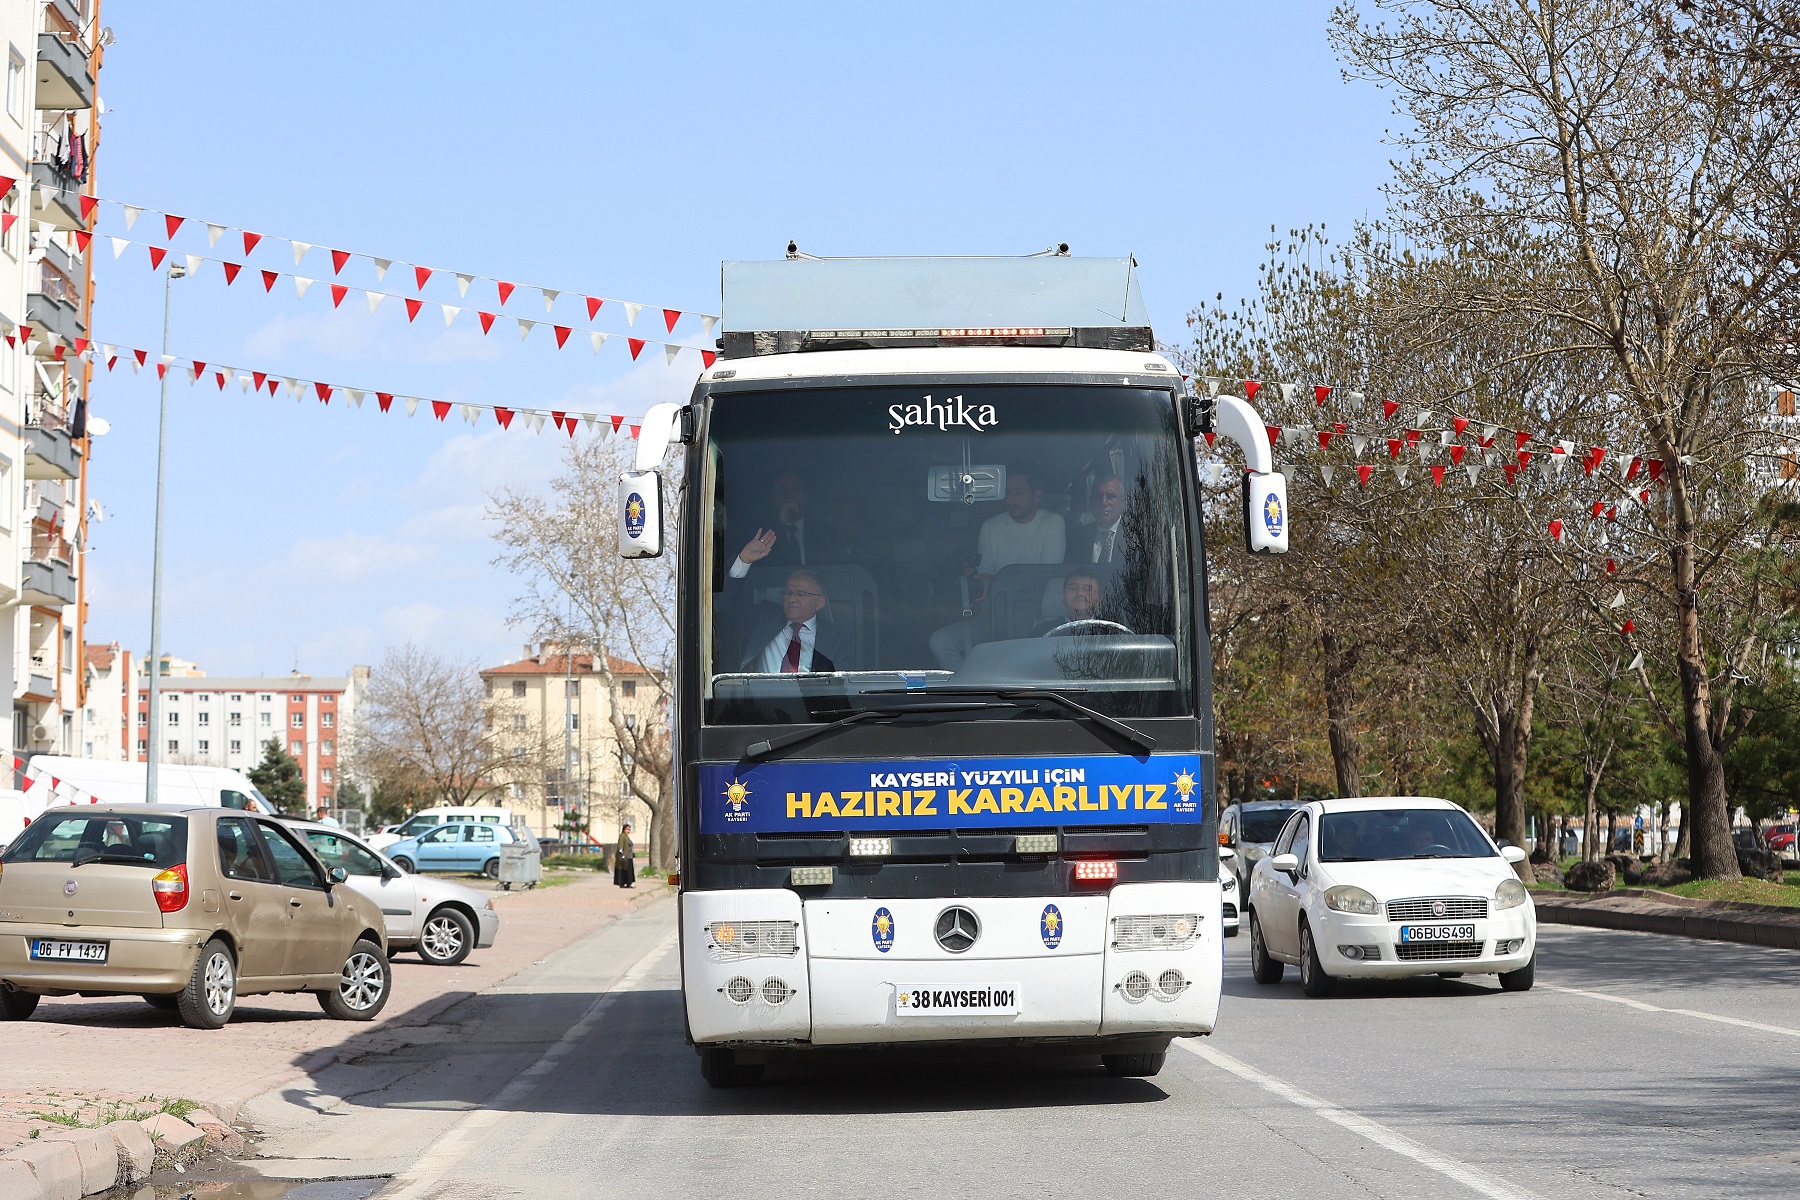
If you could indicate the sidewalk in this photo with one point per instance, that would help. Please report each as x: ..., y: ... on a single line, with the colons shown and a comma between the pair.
x: 1649, y: 911
x: 76, y: 1050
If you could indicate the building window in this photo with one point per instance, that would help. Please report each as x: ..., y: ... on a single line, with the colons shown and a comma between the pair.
x: 296, y: 748
x: 325, y: 775
x: 628, y: 689
x: 518, y: 689
x: 237, y: 747
x: 174, y: 746
x: 143, y: 746
x: 297, y: 698
x: 15, y: 84
x: 143, y: 697
x: 205, y: 746
x: 204, y: 718
x: 234, y: 719
x: 572, y: 689
x: 174, y: 718
x: 327, y: 698
x: 265, y: 719
x: 297, y: 720
x: 266, y: 697
x: 518, y: 721
x: 624, y: 787
x: 237, y: 697
x: 143, y: 716
x: 328, y: 747
x: 328, y: 719
x: 574, y: 721
x: 518, y: 752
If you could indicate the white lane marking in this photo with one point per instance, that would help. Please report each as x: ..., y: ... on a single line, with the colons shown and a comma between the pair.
x: 452, y: 1145
x: 1641, y: 1006
x: 1473, y: 1178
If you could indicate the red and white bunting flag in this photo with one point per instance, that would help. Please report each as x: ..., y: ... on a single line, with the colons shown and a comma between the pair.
x: 487, y: 320
x: 83, y: 239
x: 338, y: 259
x: 1320, y: 396
x: 157, y: 253
x: 707, y: 358
x: 220, y: 376
x: 597, y: 338
x: 274, y: 385
x: 637, y: 347
x: 231, y: 272
x: 301, y: 283
x: 617, y: 420
x: 562, y: 334
x: 634, y: 432
x: 670, y: 317
x: 324, y: 390
x: 1637, y: 464
x: 1325, y: 436
x: 1655, y: 467
x: 132, y: 213
x: 1394, y: 446
x: 504, y: 416
x: 269, y: 278
x: 1521, y: 437
x: 1599, y: 506
x: 1274, y: 434
x: 1456, y: 453
x: 381, y: 267
x: 1524, y: 458
x: 1389, y: 408
x: 375, y: 299
x: 385, y: 400
x: 440, y: 409
x: 631, y: 312
x: 300, y: 249
x: 525, y: 327
x: 421, y: 274
x: 1437, y: 476
x: 338, y: 292
x: 257, y: 378
x: 593, y: 306
x: 412, y: 405
x: 450, y: 312
x: 250, y: 240
x: 172, y: 222
x: 1363, y: 471
x: 213, y: 234
x: 505, y: 289
x: 88, y: 205
x: 670, y: 350
x: 1326, y: 472
x: 413, y: 307
x: 1251, y: 387
x: 118, y: 244
x: 549, y: 298
x: 462, y: 283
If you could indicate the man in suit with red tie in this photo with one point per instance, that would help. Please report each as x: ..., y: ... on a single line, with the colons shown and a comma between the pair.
x: 1104, y: 540
x: 797, y: 637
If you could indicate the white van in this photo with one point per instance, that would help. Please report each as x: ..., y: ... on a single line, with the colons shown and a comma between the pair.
x: 425, y: 818
x: 63, y: 780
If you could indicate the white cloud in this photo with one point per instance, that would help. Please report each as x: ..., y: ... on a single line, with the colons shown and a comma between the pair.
x: 346, y: 335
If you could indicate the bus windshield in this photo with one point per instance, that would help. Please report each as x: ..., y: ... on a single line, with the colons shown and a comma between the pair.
x: 866, y: 542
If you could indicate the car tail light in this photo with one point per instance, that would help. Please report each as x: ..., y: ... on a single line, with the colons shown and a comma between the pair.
x: 170, y: 888
x: 1096, y: 872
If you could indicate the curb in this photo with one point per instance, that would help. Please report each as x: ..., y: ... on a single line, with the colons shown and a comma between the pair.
x: 1717, y: 925
x: 67, y: 1164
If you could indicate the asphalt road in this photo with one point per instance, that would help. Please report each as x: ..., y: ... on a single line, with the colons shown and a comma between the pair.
x: 1639, y: 1066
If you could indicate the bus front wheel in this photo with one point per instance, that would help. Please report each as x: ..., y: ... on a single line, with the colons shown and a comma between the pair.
x: 1134, y: 1066
x: 721, y: 1068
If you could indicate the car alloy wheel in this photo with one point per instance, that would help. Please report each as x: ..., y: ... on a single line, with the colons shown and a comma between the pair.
x: 446, y: 938
x: 363, y: 981
x: 220, y: 984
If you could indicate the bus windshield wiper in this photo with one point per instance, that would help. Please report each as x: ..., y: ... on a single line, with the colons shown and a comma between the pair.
x: 1034, y: 697
x: 763, y: 749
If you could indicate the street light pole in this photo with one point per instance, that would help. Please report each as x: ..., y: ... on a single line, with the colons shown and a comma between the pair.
x: 154, y: 666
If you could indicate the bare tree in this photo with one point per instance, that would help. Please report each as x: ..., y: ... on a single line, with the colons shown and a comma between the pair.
x: 426, y: 729
x: 578, y: 592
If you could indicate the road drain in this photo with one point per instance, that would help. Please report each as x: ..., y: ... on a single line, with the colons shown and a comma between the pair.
x: 254, y: 1189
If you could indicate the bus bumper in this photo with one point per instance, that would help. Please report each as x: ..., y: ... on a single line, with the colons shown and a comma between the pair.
x: 875, y: 971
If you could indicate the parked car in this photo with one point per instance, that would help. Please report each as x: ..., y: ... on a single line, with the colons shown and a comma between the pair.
x: 430, y: 818
x: 1250, y: 828
x: 1780, y: 839
x: 442, y: 919
x: 189, y: 907
x: 458, y: 846
x: 1231, y: 893
x: 1386, y: 888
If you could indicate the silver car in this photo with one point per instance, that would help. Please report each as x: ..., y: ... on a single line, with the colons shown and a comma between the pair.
x: 1250, y: 828
x: 440, y: 919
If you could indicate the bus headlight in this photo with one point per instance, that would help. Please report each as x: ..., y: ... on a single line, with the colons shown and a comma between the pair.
x: 871, y: 847
x: 1170, y: 931
x: 753, y: 939
x: 1510, y: 894
x: 1347, y: 899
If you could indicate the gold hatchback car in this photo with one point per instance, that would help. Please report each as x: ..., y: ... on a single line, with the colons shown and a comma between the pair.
x: 189, y: 908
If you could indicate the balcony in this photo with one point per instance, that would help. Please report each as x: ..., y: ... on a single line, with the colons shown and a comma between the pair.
x: 65, y: 75
x: 50, y: 454
x: 47, y: 584
x: 55, y: 196
x: 39, y: 685
x: 51, y: 315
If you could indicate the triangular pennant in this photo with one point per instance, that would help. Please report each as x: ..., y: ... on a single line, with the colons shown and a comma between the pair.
x: 450, y: 312
x: 1326, y: 472
x: 381, y: 267
x: 440, y: 409
x: 338, y: 259
x: 118, y: 244
x: 231, y: 272
x: 1357, y: 443
x: 1325, y: 436
x: 1524, y: 458
x: 1487, y: 434
x: 292, y: 385
x: 549, y: 298
x: 421, y: 275
x: 1251, y: 387
x: 1400, y: 472
x: 1627, y: 629
x: 274, y: 384
x: 1363, y: 471
x: 1636, y: 663
x: 462, y: 283
x: 635, y: 429
x: 617, y: 420
x: 324, y: 390
x: 157, y: 254
x: 470, y: 413
x: 1655, y: 467
x: 1274, y: 432
x: 562, y: 334
x: 300, y: 249
x: 593, y: 306
x: 487, y: 320
x: 1459, y: 424
x: 132, y: 212
x: 413, y: 307
x: 301, y: 283
x: 1320, y: 396
x: 669, y: 353
x: 1456, y: 453
x: 1637, y: 464
x: 171, y: 222
x: 199, y: 368
x: 597, y: 338
x: 670, y: 317
x: 1437, y: 476
x: 338, y: 292
x: 213, y: 234
x: 356, y: 397
x: 257, y: 377
x: 384, y: 400
x: 250, y: 240
x: 637, y: 347
x: 1424, y: 416
x: 707, y: 358
x: 1389, y: 408
x: 505, y: 289
x: 556, y: 418
x: 193, y: 263
x: 412, y: 406
x: 1474, y: 473
x: 1521, y: 437
x: 525, y: 327
x: 1394, y: 445
x: 1289, y: 391
x: 140, y: 355
x: 1556, y: 530
x: 88, y: 203
x: 1511, y: 470
x: 631, y: 312
x: 504, y: 416
x: 269, y: 278
x: 537, y: 422
x: 1618, y: 600
x: 375, y: 299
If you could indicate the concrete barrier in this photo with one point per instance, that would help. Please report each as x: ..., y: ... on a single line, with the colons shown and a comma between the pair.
x: 99, y: 1156
x: 56, y: 1165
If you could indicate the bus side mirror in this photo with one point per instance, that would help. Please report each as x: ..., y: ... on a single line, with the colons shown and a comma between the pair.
x: 640, y: 514
x: 1265, y: 513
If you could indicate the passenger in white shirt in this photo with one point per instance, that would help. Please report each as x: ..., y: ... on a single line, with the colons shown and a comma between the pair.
x: 1024, y: 533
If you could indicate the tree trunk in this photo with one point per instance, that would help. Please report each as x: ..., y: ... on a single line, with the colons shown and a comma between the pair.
x: 1590, y: 830
x: 663, y: 839
x: 1339, y: 664
x: 1706, y: 820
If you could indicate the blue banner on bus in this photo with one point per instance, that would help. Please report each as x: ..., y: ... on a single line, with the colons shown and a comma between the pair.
x: 795, y: 797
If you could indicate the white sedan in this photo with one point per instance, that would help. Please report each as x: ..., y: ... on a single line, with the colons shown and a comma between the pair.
x: 1386, y: 888
x: 439, y: 918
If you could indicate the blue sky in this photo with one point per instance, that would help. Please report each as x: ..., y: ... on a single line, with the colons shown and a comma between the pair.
x: 624, y: 151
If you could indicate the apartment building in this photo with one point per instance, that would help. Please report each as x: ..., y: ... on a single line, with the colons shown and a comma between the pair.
x: 49, y: 134
x: 551, y: 717
x: 106, y: 725
x: 223, y: 721
x: 1784, y: 421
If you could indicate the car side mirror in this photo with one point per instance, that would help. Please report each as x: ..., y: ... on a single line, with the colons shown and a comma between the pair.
x: 1287, y: 864
x: 338, y: 874
x: 1513, y: 854
x: 1227, y: 852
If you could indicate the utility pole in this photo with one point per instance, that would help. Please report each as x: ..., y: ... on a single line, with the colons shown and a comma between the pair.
x: 175, y: 271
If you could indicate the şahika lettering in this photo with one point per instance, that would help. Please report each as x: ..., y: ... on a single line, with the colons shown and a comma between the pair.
x: 942, y: 414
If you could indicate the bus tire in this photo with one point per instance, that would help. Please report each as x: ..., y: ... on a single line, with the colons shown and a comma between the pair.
x: 1134, y: 1066
x: 721, y: 1068
x: 1262, y: 968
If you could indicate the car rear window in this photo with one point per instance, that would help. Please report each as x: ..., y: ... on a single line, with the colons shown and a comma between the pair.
x: 1264, y: 824
x: 156, y: 842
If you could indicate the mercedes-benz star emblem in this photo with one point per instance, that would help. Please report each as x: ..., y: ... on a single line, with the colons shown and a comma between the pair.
x: 957, y: 929
x: 71, y: 887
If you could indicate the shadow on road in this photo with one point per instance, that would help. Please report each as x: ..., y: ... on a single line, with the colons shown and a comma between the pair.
x: 1600, y: 960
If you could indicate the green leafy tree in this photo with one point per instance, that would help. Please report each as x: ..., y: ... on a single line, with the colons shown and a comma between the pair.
x: 279, y: 778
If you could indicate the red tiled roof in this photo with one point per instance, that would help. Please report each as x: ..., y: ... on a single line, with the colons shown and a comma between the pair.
x: 557, y: 664
x: 101, y: 656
